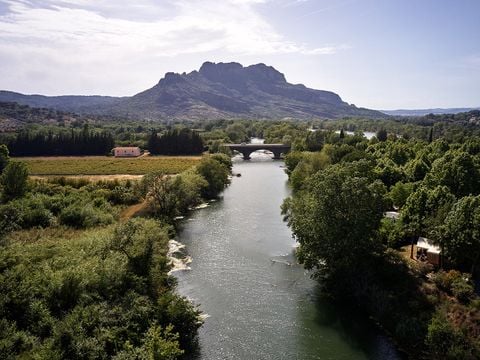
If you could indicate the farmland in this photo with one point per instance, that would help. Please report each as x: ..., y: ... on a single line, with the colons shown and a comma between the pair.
x: 103, y: 165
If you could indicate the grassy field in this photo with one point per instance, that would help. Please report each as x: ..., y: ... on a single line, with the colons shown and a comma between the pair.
x: 103, y: 165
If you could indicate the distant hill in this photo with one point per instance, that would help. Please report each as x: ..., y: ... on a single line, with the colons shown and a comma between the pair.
x: 216, y: 91
x: 422, y: 112
x: 14, y: 116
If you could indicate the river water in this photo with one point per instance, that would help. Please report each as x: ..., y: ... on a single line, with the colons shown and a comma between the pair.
x: 260, y: 303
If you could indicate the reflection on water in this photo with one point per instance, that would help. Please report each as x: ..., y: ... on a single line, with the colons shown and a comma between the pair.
x: 261, y: 303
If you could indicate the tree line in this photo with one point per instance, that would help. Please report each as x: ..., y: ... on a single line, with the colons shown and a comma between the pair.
x: 176, y: 142
x: 82, y: 142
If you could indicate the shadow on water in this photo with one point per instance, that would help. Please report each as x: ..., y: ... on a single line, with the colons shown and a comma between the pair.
x: 354, y: 326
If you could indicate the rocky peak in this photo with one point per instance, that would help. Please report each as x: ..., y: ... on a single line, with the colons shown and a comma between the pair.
x: 263, y: 72
x: 234, y: 73
x: 171, y: 78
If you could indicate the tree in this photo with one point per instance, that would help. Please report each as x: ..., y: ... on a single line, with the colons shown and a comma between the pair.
x: 456, y: 170
x: 236, y: 132
x: 162, y: 197
x: 417, y: 169
x: 425, y: 210
x: 382, y: 135
x: 224, y: 160
x: 400, y: 192
x: 82, y: 142
x: 4, y: 158
x: 137, y: 240
x: 389, y: 172
x: 216, y: 175
x: 335, y: 219
x: 176, y: 142
x: 315, y: 140
x: 14, y: 180
x: 460, y: 235
x: 189, y: 186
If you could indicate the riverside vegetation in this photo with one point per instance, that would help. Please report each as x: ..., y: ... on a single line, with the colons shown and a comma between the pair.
x: 79, y: 283
x: 62, y: 237
x: 340, y: 193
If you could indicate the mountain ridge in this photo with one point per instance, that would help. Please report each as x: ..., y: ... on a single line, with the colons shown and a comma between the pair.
x: 422, y: 112
x: 215, y: 91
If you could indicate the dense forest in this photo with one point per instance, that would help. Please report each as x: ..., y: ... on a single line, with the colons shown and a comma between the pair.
x: 79, y: 280
x: 175, y: 142
x: 83, y: 142
x: 341, y: 191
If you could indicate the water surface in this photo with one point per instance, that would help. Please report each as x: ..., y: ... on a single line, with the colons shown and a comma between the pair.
x: 260, y: 303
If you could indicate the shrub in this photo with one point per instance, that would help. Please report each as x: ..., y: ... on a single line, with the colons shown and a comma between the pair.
x: 445, y: 342
x: 456, y: 283
x: 122, y: 195
x: 14, y: 180
x: 391, y: 233
x: 37, y: 217
x: 462, y: 289
x: 84, y: 216
x: 11, y: 218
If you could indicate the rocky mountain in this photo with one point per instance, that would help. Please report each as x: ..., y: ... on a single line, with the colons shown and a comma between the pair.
x: 215, y: 91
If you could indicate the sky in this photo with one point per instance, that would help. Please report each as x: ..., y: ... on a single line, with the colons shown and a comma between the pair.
x: 380, y: 54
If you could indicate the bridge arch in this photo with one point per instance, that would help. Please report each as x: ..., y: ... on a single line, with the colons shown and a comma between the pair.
x: 247, y: 149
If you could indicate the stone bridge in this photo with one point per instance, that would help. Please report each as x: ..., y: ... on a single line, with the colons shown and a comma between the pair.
x: 247, y: 149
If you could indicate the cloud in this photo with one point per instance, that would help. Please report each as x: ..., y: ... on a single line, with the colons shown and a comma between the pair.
x: 105, y: 36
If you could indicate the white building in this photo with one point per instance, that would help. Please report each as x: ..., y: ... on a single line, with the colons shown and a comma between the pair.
x: 427, y: 251
x: 132, y: 151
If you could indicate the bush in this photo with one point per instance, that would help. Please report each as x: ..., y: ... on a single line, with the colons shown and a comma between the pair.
x: 445, y: 342
x: 462, y: 289
x: 455, y: 283
x: 391, y: 233
x: 84, y: 216
x: 14, y: 180
x: 104, y: 293
x: 75, y: 183
x: 11, y: 218
x: 38, y: 217
x: 121, y: 195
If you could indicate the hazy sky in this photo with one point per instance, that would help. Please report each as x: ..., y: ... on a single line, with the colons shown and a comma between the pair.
x: 381, y: 54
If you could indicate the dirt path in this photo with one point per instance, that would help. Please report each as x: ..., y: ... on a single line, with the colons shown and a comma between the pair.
x: 131, y: 211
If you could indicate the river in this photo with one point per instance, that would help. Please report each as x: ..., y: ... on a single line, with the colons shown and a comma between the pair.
x: 260, y: 303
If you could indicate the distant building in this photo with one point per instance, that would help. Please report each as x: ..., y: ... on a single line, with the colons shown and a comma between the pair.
x: 132, y: 151
x: 394, y: 215
x: 427, y: 251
